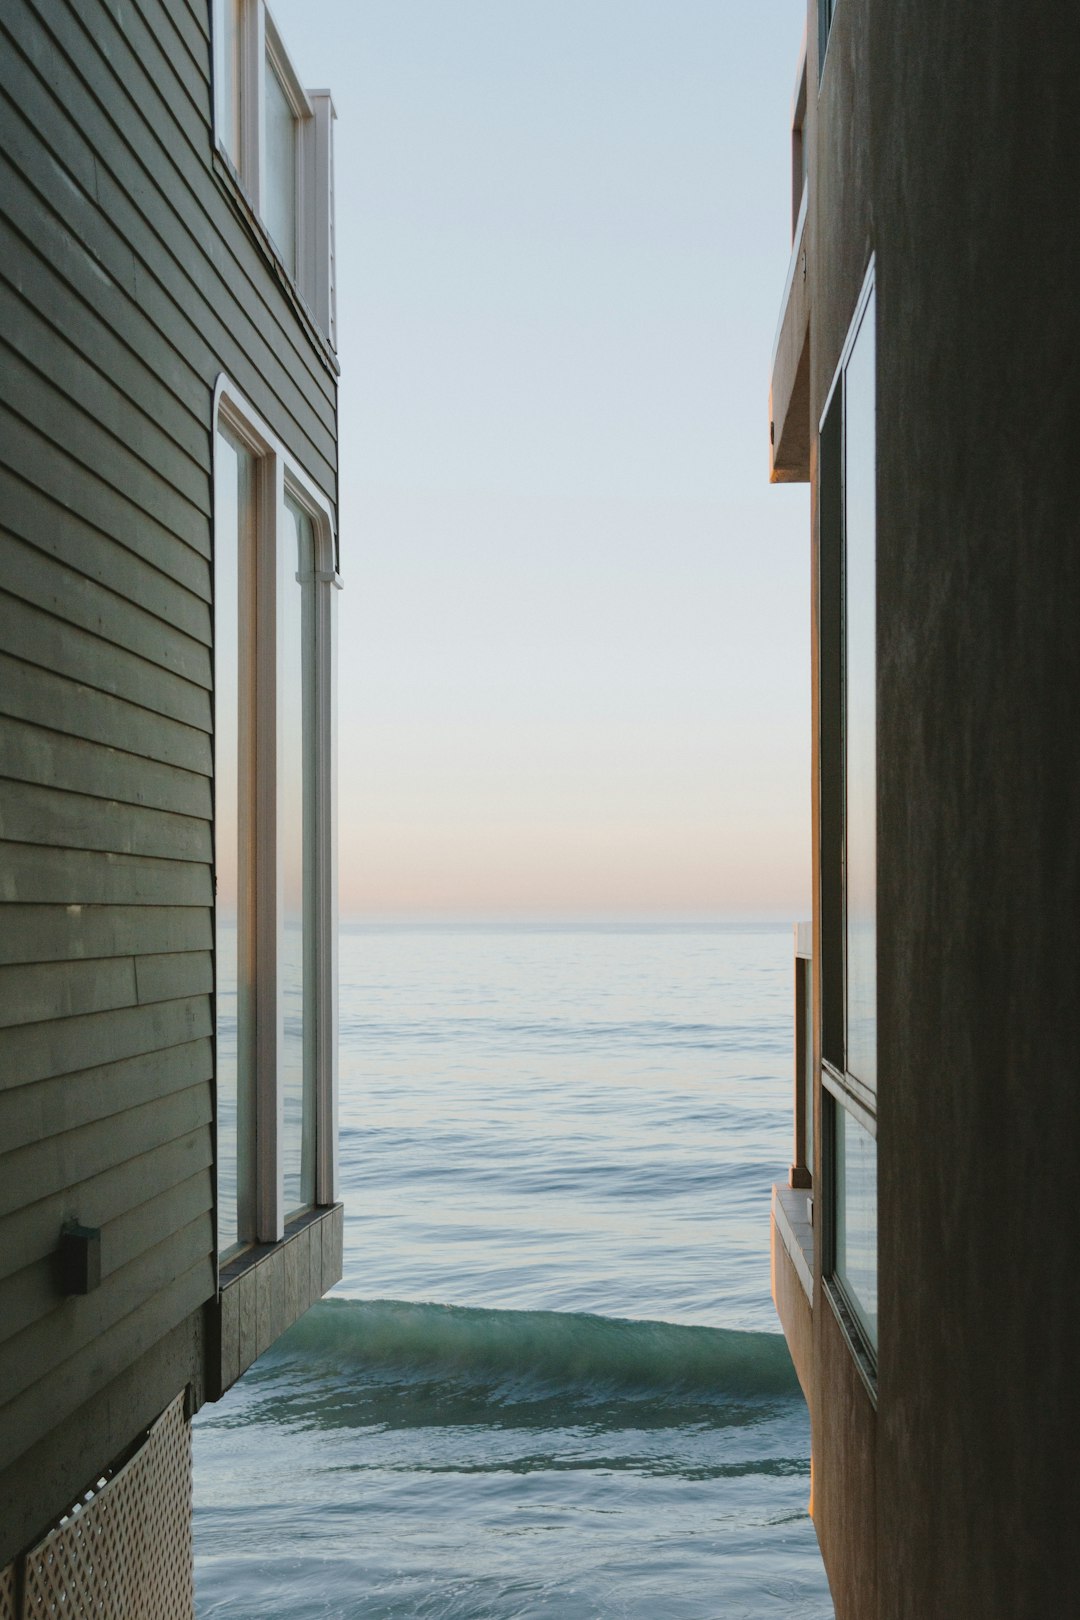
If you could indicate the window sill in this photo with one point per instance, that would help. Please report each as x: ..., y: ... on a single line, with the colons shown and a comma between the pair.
x: 791, y: 1215
x: 266, y: 1288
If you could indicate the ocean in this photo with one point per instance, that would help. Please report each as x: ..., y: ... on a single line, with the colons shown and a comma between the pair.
x: 551, y: 1382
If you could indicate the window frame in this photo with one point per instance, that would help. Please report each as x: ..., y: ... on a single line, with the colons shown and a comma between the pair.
x: 259, y: 45
x: 260, y: 1169
x: 275, y: 61
x: 840, y: 1089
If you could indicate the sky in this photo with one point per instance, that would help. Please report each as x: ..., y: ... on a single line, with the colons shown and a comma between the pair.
x: 574, y: 635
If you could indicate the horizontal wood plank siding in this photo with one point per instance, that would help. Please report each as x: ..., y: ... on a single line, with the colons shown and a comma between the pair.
x: 57, y: 703
x: 32, y: 1052
x: 34, y: 576
x: 30, y: 1233
x: 206, y: 289
x: 71, y: 933
x: 45, y: 1404
x: 37, y: 873
x: 78, y: 1155
x: 31, y: 993
x: 30, y: 1114
x: 131, y: 277
x: 59, y: 646
x: 30, y: 1294
x: 30, y: 753
x: 171, y: 580
x: 65, y: 1160
x: 31, y: 814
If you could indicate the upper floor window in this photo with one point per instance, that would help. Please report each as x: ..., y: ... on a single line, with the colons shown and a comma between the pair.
x: 278, y: 138
x: 281, y: 182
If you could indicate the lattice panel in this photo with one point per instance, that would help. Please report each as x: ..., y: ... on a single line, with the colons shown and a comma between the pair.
x: 125, y: 1554
x: 7, y: 1593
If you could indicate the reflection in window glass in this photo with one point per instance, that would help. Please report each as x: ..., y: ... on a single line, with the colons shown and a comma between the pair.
x: 856, y: 1218
x: 234, y: 494
x: 279, y: 198
x: 296, y: 831
x: 860, y: 729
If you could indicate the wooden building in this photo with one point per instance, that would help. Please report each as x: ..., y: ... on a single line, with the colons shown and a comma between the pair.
x: 925, y: 384
x: 168, y: 573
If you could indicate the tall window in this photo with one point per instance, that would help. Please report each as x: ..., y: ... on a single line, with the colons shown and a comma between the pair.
x: 274, y: 580
x: 296, y: 822
x: 234, y: 535
x: 277, y: 138
x: 847, y: 638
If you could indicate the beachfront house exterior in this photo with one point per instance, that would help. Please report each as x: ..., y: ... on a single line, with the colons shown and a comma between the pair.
x: 168, y: 534
x: 925, y: 383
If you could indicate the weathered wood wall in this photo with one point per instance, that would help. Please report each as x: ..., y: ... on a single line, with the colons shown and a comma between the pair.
x: 129, y: 278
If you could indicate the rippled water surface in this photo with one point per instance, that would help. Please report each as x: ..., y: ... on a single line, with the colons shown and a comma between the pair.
x: 551, y: 1382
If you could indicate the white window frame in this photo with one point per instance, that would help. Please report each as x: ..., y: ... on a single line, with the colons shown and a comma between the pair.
x: 315, y: 115
x: 277, y: 474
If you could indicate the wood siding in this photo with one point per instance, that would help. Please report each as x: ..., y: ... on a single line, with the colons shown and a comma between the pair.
x: 130, y: 278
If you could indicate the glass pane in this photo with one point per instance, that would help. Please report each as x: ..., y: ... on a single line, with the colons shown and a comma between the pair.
x: 856, y: 1218
x: 296, y: 823
x: 279, y: 190
x: 230, y: 81
x: 860, y: 720
x: 234, y: 497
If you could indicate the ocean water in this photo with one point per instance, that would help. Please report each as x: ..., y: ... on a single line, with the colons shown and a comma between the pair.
x: 551, y: 1382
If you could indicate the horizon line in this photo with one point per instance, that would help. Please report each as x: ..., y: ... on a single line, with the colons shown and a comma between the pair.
x: 772, y: 917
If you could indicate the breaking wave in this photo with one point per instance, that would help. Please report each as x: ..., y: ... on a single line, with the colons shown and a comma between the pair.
x: 353, y: 1363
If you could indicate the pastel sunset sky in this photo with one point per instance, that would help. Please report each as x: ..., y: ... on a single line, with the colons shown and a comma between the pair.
x: 574, y: 639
